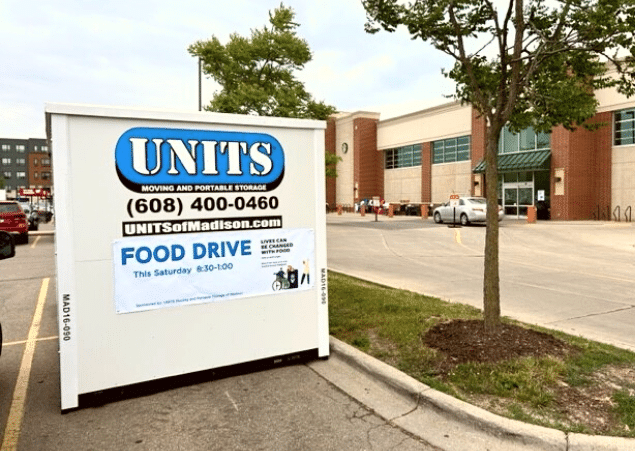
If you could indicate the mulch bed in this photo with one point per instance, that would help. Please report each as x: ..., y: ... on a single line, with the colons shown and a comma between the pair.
x: 465, y: 341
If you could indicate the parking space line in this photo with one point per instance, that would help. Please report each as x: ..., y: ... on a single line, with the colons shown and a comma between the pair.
x: 16, y: 412
x: 37, y: 238
x: 21, y: 342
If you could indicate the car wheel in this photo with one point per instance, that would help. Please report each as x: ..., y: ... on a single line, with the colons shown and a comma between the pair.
x: 437, y: 218
x: 464, y: 220
x: 24, y: 238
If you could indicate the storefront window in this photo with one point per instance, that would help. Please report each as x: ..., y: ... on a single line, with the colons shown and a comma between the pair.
x: 625, y: 127
x: 526, y: 141
x: 451, y: 150
x: 403, y: 157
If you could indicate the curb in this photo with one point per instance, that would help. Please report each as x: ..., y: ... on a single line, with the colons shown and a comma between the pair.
x: 41, y: 232
x: 511, y: 434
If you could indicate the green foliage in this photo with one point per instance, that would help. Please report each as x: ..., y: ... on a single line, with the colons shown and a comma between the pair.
x: 531, y: 62
x: 256, y: 73
x: 2, y: 182
x: 331, y: 161
x: 593, y: 357
x: 625, y: 407
x: 534, y: 63
x: 527, y: 380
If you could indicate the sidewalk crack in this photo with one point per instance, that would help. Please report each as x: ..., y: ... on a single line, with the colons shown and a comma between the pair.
x: 590, y: 315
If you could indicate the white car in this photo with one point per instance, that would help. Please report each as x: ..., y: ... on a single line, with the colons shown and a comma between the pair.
x: 470, y: 209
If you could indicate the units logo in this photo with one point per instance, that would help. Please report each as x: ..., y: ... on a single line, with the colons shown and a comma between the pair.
x: 170, y: 160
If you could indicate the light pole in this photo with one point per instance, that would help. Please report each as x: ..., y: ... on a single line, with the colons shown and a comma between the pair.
x: 200, y: 85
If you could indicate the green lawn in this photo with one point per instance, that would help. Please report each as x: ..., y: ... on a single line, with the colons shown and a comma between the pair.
x: 389, y: 324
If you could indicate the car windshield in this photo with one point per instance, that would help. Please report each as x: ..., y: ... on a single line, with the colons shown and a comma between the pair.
x: 477, y: 201
x: 9, y: 208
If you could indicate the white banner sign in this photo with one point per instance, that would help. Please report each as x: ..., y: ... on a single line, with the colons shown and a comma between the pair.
x: 154, y: 272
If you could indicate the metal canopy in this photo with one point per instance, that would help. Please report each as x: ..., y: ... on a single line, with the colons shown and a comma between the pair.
x: 522, y: 161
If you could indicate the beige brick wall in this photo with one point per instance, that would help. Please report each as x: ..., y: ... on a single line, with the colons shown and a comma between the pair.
x: 402, y: 184
x: 450, y: 178
x: 622, y: 180
x: 344, y: 184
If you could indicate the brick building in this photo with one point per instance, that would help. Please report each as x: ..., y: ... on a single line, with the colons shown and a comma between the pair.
x: 25, y: 163
x: 425, y: 156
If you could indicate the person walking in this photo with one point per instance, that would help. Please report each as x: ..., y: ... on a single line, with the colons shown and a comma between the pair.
x: 305, y: 272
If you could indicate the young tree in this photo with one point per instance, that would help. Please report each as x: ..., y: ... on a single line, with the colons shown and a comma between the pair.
x: 534, y: 63
x: 256, y: 73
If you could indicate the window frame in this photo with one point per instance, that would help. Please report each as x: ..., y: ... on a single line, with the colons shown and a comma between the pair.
x: 403, y: 157
x: 518, y: 138
x: 631, y: 120
x: 452, y: 150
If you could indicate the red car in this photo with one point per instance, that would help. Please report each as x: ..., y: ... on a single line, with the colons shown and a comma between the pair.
x: 13, y: 220
x: 7, y: 250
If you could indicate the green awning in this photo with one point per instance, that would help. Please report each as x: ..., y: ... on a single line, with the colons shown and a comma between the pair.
x: 522, y: 161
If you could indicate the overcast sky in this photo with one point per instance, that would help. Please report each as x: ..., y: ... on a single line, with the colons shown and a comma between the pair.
x: 134, y: 53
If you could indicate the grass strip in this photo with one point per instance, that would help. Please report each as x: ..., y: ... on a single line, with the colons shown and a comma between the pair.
x: 389, y: 324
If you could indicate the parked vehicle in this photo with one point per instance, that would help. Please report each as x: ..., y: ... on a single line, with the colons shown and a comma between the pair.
x: 14, y: 220
x: 470, y: 209
x: 7, y: 250
x: 45, y: 212
x: 32, y: 216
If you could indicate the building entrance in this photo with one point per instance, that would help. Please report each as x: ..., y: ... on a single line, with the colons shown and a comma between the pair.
x: 518, y: 196
x: 523, y: 189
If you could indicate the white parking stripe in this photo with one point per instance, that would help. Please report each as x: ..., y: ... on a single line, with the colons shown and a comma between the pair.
x: 14, y: 422
x: 37, y: 238
x: 21, y: 342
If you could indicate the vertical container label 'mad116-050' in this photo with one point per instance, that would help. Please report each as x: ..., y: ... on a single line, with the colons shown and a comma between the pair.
x: 156, y: 160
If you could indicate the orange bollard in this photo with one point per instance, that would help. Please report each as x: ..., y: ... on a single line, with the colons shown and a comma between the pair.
x: 532, y: 215
x: 339, y: 209
x: 391, y: 210
x: 424, y: 211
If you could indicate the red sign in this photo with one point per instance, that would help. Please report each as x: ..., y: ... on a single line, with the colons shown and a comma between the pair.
x: 39, y: 192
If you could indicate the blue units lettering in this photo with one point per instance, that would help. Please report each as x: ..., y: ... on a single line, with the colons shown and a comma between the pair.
x: 176, y: 158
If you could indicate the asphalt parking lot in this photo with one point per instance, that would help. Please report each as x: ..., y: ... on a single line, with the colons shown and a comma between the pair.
x: 281, y: 408
x: 576, y: 276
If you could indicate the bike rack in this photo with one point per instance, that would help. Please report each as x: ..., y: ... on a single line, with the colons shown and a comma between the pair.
x: 598, y: 214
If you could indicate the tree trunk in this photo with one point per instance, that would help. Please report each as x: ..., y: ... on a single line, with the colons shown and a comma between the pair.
x: 491, y: 281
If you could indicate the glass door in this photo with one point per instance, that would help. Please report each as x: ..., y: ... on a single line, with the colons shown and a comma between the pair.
x: 518, y: 193
x: 510, y: 201
x: 525, y: 199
